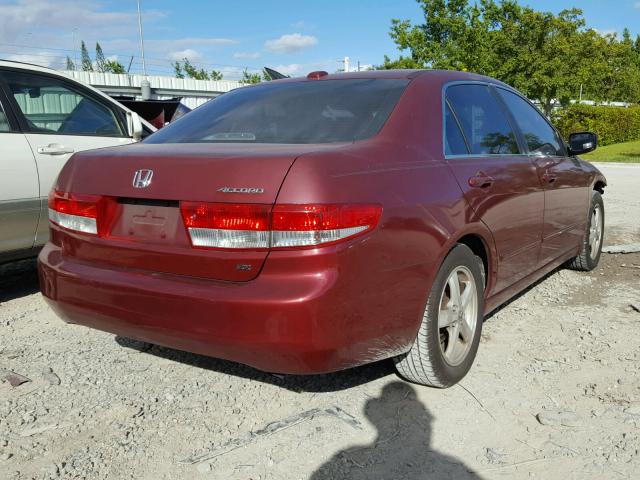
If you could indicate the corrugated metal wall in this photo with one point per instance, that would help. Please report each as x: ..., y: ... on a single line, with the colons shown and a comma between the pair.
x: 193, y: 92
x: 50, y: 108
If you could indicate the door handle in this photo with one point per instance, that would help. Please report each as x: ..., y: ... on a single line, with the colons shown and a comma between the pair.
x: 55, y: 149
x: 549, y: 178
x: 481, y: 180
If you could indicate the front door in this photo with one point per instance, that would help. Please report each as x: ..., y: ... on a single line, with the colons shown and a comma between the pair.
x: 60, y: 118
x: 566, y: 199
x: 499, y: 182
x: 19, y: 197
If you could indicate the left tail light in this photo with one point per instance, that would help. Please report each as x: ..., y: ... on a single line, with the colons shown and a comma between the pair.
x: 90, y: 214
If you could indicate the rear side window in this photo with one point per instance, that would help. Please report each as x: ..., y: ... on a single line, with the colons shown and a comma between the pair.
x: 49, y: 105
x: 323, y: 111
x: 454, y: 143
x: 4, y: 122
x: 540, y: 137
x: 483, y: 120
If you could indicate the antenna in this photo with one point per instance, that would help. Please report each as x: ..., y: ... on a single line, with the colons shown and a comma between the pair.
x: 144, y: 66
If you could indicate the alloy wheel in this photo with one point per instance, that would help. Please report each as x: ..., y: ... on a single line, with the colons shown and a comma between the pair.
x: 458, y: 315
x: 595, y: 231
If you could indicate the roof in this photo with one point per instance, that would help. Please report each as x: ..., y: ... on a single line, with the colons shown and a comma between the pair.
x: 436, y: 75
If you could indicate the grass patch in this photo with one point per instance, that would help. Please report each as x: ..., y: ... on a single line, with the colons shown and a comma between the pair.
x: 628, y: 152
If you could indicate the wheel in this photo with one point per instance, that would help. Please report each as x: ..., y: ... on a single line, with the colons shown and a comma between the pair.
x: 592, y: 242
x: 447, y: 341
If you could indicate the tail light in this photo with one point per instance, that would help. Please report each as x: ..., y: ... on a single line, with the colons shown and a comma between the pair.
x: 81, y: 213
x: 250, y: 226
x: 223, y: 225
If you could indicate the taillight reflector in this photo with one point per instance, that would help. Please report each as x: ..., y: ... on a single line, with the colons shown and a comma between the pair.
x: 251, y: 226
x: 82, y: 213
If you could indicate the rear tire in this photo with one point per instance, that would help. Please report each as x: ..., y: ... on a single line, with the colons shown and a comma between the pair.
x: 591, y: 248
x: 447, y: 341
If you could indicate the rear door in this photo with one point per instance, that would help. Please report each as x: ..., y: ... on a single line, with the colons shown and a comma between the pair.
x: 566, y: 195
x: 498, y: 179
x: 59, y: 118
x: 19, y: 197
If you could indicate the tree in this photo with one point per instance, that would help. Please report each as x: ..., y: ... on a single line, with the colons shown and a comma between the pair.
x: 248, y: 77
x: 177, y: 68
x: 70, y: 64
x: 113, y: 66
x: 186, y: 68
x: 86, y: 63
x: 548, y: 57
x: 100, y: 60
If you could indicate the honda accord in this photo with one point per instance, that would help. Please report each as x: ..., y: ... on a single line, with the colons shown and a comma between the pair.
x: 314, y: 224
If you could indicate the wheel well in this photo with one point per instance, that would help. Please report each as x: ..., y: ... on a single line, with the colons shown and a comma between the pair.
x: 599, y: 186
x: 477, y: 246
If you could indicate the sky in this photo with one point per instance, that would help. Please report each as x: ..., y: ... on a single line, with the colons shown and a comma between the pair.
x: 294, y: 37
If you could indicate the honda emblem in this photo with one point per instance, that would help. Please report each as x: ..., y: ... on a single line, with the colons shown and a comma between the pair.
x: 142, y: 178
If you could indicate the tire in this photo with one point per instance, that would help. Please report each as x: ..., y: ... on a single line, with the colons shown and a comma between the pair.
x: 591, y: 248
x: 427, y: 362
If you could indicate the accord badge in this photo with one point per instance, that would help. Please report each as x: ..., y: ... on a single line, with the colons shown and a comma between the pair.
x: 241, y: 190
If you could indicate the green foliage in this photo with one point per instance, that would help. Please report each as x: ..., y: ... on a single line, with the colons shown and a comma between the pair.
x: 186, y: 68
x: 87, y: 65
x: 102, y: 64
x: 612, y: 124
x: 113, y: 66
x: 628, y: 152
x: 100, y: 60
x: 177, y: 69
x: 248, y: 77
x: 548, y: 57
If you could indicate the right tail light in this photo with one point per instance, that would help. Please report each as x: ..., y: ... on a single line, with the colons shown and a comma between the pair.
x: 252, y: 226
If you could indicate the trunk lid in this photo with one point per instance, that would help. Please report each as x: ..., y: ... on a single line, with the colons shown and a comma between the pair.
x: 147, y: 231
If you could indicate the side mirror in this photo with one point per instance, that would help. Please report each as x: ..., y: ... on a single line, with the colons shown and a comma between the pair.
x: 134, y: 124
x: 583, y: 142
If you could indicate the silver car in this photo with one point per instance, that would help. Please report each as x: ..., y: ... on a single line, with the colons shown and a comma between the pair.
x: 45, y: 117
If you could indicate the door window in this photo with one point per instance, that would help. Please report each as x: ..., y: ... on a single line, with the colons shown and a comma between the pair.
x: 484, y: 122
x: 540, y: 137
x: 50, y: 106
x: 454, y: 140
x: 4, y: 122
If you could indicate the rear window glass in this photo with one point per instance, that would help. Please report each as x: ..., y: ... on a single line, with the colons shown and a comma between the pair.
x: 304, y: 112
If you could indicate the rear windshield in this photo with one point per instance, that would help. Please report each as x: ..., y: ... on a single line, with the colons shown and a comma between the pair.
x: 304, y: 112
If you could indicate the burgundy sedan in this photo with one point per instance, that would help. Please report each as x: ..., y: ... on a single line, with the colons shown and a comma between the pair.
x: 315, y: 224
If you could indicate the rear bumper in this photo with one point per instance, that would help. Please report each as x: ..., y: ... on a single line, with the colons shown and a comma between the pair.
x: 300, y: 316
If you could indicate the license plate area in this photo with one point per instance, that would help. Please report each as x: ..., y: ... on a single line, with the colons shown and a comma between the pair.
x: 149, y: 221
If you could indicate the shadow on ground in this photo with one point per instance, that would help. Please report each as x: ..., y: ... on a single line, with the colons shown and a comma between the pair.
x: 402, y: 448
x: 331, y: 382
x: 18, y: 279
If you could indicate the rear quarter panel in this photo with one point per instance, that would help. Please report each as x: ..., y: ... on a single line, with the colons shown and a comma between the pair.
x: 424, y: 213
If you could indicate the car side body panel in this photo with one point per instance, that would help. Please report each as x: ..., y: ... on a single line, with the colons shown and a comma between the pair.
x: 19, y: 197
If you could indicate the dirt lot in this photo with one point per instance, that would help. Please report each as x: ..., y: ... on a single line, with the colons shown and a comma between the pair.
x: 554, y: 393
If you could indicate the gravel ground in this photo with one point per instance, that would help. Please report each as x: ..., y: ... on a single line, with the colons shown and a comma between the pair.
x: 554, y: 393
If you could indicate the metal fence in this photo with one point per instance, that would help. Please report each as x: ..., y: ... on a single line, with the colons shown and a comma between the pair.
x: 193, y: 92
